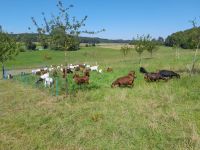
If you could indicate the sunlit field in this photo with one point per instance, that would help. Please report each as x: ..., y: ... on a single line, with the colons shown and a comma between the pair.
x: 159, y: 115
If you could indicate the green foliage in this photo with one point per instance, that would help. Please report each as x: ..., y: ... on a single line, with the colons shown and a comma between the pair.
x: 187, y: 39
x: 63, y: 30
x: 125, y: 50
x: 8, y: 47
x: 21, y: 37
x: 143, y: 43
x: 162, y: 115
x: 21, y: 47
x: 151, y: 46
x: 140, y: 46
x: 30, y: 45
x: 90, y: 44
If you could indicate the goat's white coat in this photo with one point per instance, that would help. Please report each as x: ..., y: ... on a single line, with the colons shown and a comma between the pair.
x: 94, y: 68
x: 48, y: 82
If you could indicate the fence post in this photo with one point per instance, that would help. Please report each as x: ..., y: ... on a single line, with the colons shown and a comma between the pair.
x: 56, y: 86
x: 4, y: 74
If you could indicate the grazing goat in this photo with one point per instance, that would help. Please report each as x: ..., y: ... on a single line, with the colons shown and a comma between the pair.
x: 9, y: 76
x: 81, y: 80
x: 82, y: 67
x: 168, y: 74
x: 151, y: 76
x: 125, y: 81
x: 94, y: 68
x: 66, y: 71
x: 48, y: 82
x: 42, y: 78
x: 109, y: 69
x: 35, y: 71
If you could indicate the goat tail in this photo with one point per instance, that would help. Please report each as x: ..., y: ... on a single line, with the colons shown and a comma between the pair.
x: 142, y: 70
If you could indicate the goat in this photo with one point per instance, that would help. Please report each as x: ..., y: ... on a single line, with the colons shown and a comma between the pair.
x: 168, y: 74
x: 42, y: 78
x: 81, y: 80
x: 152, y: 76
x: 35, y: 71
x: 109, y: 69
x: 9, y: 76
x: 48, y: 82
x: 94, y: 68
x: 125, y: 81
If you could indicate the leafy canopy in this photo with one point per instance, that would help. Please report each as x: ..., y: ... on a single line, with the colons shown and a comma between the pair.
x: 62, y: 28
x: 8, y: 47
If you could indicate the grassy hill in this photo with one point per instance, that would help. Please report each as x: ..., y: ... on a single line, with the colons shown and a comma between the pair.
x: 161, y: 115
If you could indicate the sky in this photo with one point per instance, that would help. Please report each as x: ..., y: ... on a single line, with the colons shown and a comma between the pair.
x: 122, y: 19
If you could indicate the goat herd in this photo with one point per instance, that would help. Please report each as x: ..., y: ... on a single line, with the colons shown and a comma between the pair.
x: 127, y: 80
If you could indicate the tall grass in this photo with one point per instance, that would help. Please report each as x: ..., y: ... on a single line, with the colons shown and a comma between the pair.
x: 161, y: 115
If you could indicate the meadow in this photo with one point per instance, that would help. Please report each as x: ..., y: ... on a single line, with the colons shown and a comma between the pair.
x: 160, y: 115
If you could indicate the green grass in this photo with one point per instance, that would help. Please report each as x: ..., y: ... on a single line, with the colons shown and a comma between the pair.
x: 161, y: 115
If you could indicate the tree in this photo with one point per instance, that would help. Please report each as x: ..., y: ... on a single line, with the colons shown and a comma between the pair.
x: 63, y: 30
x: 30, y: 45
x: 176, y: 47
x: 125, y: 50
x: 195, y: 39
x: 140, y: 46
x: 1, y: 30
x: 150, y: 45
x: 160, y: 40
x: 8, y: 49
x: 185, y: 39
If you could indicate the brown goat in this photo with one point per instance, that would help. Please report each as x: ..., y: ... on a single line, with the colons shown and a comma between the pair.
x: 152, y: 76
x: 125, y: 81
x: 81, y: 80
x: 149, y: 77
x: 109, y: 69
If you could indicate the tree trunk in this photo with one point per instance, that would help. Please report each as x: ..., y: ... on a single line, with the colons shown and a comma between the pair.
x: 140, y: 60
x: 66, y: 81
x: 3, y: 71
x: 194, y: 59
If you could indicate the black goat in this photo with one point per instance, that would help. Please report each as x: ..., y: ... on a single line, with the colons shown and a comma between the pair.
x: 168, y: 74
x: 152, y: 76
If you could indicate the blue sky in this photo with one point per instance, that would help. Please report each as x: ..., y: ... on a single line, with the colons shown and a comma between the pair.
x: 122, y: 19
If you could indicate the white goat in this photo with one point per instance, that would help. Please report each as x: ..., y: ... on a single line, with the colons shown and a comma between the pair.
x: 94, y: 68
x: 44, y: 76
x: 34, y: 71
x: 48, y: 82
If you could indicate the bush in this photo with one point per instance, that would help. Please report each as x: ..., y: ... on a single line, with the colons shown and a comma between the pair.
x: 185, y: 39
x: 45, y: 45
x: 22, y: 49
x: 30, y: 45
x: 86, y: 45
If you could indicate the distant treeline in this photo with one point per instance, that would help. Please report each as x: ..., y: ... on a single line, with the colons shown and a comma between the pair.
x: 23, y: 37
x: 187, y: 39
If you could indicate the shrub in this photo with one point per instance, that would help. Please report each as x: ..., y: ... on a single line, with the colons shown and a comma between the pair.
x: 30, y: 45
x: 22, y: 49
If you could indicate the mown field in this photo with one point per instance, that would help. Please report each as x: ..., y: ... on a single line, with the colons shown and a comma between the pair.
x: 161, y: 115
